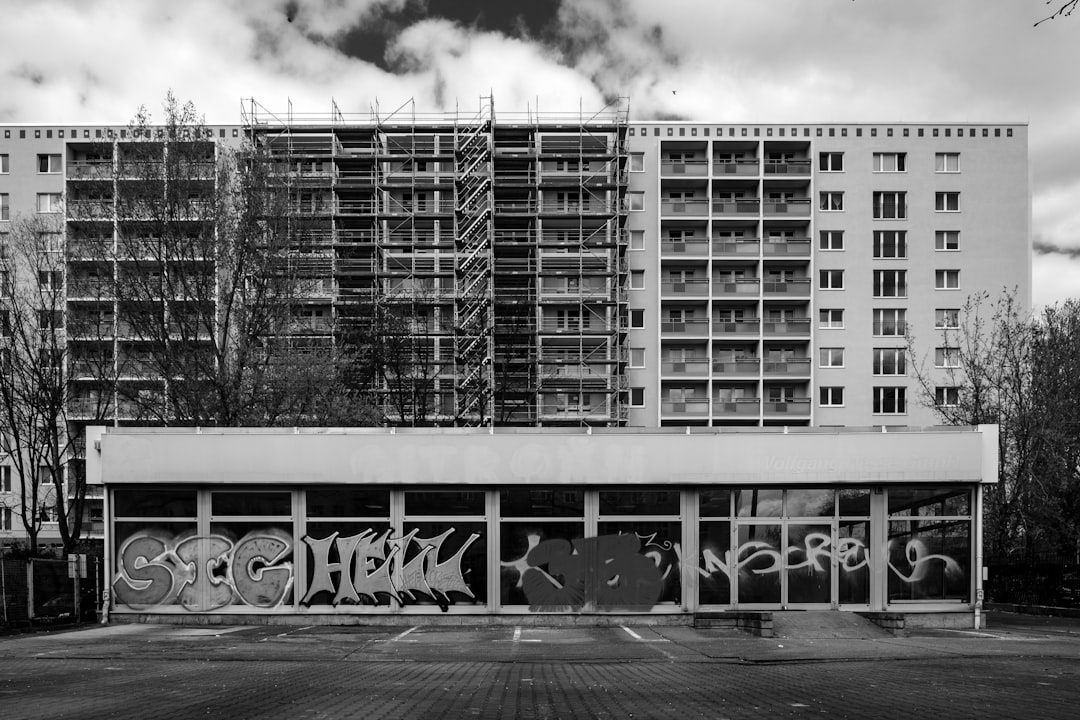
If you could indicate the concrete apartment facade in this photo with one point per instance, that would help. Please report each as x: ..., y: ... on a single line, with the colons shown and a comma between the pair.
x: 589, y: 271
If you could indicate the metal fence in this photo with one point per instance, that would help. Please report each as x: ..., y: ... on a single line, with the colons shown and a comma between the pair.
x: 1051, y: 582
x: 42, y: 591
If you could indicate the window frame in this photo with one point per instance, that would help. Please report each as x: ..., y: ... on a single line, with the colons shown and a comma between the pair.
x: 899, y: 245
x: 825, y: 162
x: 827, y: 396
x: 897, y: 207
x: 943, y: 277
x: 941, y: 162
x: 48, y: 163
x: 947, y: 357
x: 942, y: 240
x: 830, y: 274
x: 636, y: 163
x: 831, y: 357
x: 52, y: 206
x: 881, y: 401
x: 829, y: 237
x: 830, y: 323
x: 946, y: 318
x: 889, y: 358
x: 635, y: 201
x: 895, y: 322
x: 899, y: 162
x: 898, y: 283
x: 831, y: 201
x: 943, y: 199
x: 946, y: 396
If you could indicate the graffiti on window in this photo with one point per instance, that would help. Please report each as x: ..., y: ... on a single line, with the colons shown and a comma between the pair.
x: 204, y: 572
x: 383, y: 568
x: 614, y: 572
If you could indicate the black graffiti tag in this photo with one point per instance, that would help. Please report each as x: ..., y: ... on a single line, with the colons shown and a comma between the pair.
x: 605, y: 572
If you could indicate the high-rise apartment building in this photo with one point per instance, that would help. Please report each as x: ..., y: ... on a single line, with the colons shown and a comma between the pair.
x: 586, y: 269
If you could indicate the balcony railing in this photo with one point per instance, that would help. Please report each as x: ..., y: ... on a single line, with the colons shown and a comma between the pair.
x: 790, y: 167
x: 735, y: 246
x: 689, y: 247
x: 792, y: 326
x: 796, y: 286
x: 691, y: 366
x: 737, y: 406
x: 741, y: 286
x: 90, y: 209
x: 739, y: 167
x: 741, y: 207
x: 743, y: 326
x: 695, y: 326
x: 788, y: 368
x: 690, y: 406
x: 690, y: 167
x: 88, y: 170
x: 791, y: 206
x: 738, y: 366
x: 787, y: 247
x: 691, y: 287
x: 795, y: 406
x: 685, y: 207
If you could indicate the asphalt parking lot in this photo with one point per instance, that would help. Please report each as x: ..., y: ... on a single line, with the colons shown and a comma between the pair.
x: 1019, y: 667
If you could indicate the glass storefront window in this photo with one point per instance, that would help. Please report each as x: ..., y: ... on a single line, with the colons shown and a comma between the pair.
x: 808, y: 563
x: 532, y: 555
x: 759, y: 502
x: 854, y: 561
x: 640, y: 502
x: 347, y: 501
x: 250, y: 503
x: 930, y: 560
x: 652, y: 576
x: 444, y: 563
x: 924, y: 502
x: 149, y: 568
x: 444, y: 502
x: 810, y: 503
x: 153, y: 502
x: 715, y: 503
x: 716, y: 564
x: 544, y: 501
x: 854, y: 502
x: 759, y: 562
x: 348, y: 563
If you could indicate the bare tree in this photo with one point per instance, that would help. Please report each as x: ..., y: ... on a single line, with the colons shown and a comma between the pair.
x: 42, y: 384
x: 1064, y: 9
x: 1005, y: 367
x: 209, y: 276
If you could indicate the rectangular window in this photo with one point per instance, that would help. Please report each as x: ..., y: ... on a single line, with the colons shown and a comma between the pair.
x: 831, y: 319
x: 4, y: 167
x: 947, y: 202
x: 637, y: 319
x: 637, y: 239
x: 947, y: 318
x: 5, y: 211
x: 48, y: 163
x: 947, y: 357
x: 890, y: 283
x: 831, y: 396
x: 890, y: 162
x: 50, y: 279
x: 637, y: 279
x: 890, y: 205
x: 637, y: 397
x: 946, y: 396
x: 636, y: 200
x: 832, y: 201
x: 947, y: 240
x: 947, y: 162
x: 831, y: 162
x: 49, y: 319
x: 946, y: 279
x: 890, y: 400
x: 831, y: 357
x: 48, y: 202
x: 831, y: 240
x: 830, y: 279
x: 890, y: 361
x: 889, y: 322
x: 637, y: 357
x: 890, y: 244
x: 5, y: 479
x: 637, y: 162
x: 5, y: 519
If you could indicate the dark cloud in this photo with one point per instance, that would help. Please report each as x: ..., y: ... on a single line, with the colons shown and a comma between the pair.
x: 1044, y: 247
x: 29, y: 72
x: 535, y: 19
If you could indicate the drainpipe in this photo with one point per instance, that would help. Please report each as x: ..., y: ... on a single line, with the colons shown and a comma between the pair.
x: 978, y: 569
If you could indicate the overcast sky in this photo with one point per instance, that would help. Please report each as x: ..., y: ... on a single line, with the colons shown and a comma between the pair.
x: 737, y: 61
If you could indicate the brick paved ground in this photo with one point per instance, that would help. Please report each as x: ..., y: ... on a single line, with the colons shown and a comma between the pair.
x: 674, y: 672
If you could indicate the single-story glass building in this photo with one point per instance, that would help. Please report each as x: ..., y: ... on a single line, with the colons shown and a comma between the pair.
x: 356, y: 524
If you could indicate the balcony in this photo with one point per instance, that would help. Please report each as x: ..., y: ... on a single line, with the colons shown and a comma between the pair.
x: 791, y: 326
x: 690, y: 366
x: 681, y: 328
x: 791, y: 206
x: 697, y: 207
x: 696, y: 407
x: 736, y: 208
x: 787, y: 247
x: 739, y: 167
x: 736, y: 407
x: 691, y: 287
x: 797, y: 287
x: 90, y: 209
x: 739, y: 366
x: 742, y: 326
x: 741, y: 287
x: 792, y: 367
x: 695, y: 168
x: 742, y: 247
x: 795, y: 407
x: 89, y: 170
x: 789, y: 167
x: 690, y: 247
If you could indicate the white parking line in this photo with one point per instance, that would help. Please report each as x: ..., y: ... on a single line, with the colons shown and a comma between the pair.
x: 403, y: 634
x: 517, y: 633
x: 631, y: 633
x: 301, y: 629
